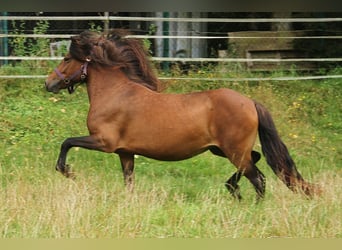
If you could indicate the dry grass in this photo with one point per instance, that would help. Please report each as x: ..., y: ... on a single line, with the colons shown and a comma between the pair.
x: 54, y: 207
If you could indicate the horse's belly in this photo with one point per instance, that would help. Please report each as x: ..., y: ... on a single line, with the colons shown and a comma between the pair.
x: 171, y: 147
x: 172, y: 154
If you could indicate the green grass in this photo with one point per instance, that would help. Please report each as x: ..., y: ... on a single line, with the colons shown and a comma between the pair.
x: 179, y: 199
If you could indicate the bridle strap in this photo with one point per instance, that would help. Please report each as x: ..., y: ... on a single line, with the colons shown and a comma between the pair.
x: 69, y: 80
x: 60, y: 75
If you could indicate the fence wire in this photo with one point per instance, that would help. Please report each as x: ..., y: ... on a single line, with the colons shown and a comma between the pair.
x: 188, y: 36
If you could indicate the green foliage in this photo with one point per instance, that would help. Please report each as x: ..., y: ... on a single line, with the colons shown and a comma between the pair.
x: 183, y: 199
x: 147, y: 43
x: 23, y: 46
x: 95, y: 27
x: 18, y: 43
x: 62, y: 48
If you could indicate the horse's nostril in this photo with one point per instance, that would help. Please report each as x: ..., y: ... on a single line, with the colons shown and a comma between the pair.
x: 48, y: 86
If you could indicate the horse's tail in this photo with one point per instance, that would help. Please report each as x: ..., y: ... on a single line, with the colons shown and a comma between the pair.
x: 277, y: 154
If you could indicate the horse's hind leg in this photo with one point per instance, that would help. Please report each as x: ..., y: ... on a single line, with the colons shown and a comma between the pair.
x: 259, y: 181
x: 232, y: 183
x: 256, y: 177
x: 255, y: 156
x: 246, y: 166
x: 232, y: 186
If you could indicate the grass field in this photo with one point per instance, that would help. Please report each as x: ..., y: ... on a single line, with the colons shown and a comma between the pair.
x: 179, y: 199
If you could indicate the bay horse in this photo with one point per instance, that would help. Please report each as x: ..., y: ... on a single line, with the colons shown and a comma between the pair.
x: 129, y: 116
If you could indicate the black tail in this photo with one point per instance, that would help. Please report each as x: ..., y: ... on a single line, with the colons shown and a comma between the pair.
x: 277, y: 154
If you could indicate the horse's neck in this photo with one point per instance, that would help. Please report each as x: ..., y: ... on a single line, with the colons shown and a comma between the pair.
x: 102, y: 81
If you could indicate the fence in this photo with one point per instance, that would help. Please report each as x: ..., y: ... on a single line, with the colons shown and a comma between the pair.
x: 178, y: 34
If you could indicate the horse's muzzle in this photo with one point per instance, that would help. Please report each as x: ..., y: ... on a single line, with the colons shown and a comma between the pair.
x: 52, y: 86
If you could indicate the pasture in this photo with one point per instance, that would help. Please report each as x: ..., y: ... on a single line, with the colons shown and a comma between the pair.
x: 185, y: 199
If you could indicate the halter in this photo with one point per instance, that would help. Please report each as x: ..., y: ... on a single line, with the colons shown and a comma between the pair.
x: 82, y: 72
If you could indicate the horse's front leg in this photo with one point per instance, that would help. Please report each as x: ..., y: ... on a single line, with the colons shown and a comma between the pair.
x: 87, y: 142
x: 127, y: 164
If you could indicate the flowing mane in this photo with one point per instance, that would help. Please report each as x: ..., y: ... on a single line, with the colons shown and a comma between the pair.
x: 116, y: 49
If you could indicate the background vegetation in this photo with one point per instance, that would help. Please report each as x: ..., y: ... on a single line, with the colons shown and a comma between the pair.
x: 181, y: 199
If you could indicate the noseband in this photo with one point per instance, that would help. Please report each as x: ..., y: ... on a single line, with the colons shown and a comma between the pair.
x: 82, y: 72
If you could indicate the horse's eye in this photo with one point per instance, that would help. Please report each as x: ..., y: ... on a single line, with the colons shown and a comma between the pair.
x: 66, y: 59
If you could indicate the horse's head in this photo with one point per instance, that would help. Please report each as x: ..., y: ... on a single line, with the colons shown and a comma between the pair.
x: 69, y: 72
x: 73, y: 68
x: 105, y: 50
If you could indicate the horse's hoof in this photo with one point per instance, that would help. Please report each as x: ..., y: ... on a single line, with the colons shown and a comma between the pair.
x: 70, y: 175
x: 60, y: 168
x: 66, y: 171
